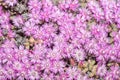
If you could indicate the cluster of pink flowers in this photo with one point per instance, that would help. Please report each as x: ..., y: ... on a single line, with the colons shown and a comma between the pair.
x: 58, y: 39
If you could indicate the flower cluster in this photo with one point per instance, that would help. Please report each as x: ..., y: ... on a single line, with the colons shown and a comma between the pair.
x: 60, y: 40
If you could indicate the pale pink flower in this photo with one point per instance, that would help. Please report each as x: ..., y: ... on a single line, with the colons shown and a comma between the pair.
x: 29, y: 28
x: 79, y: 55
x: 57, y: 66
x: 8, y: 44
x: 18, y: 21
x: 4, y: 18
x: 33, y: 74
x: 1, y: 33
x: 69, y: 4
x: 11, y: 2
x: 46, y: 65
x: 72, y: 73
x: 6, y: 26
x: 54, y: 54
x: 35, y: 17
x: 2, y: 73
x: 101, y: 70
x: 10, y: 72
x: 1, y: 10
x: 34, y: 5
x: 21, y: 52
x: 11, y: 34
x: 74, y: 5
x: 96, y: 9
x: 17, y: 65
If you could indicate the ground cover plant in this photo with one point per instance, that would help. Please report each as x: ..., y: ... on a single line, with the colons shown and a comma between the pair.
x: 59, y: 39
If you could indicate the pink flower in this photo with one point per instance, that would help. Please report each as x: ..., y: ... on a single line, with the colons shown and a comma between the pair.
x: 72, y: 73
x: 47, y: 4
x: 57, y: 66
x: 65, y: 34
x: 96, y: 9
x: 46, y: 65
x: 11, y: 2
x: 79, y: 55
x: 115, y: 71
x: 10, y: 73
x: 1, y: 10
x: 7, y: 26
x: 2, y: 73
x: 34, y: 5
x: 22, y: 75
x: 69, y: 4
x: 64, y: 4
x: 101, y: 70
x: 35, y: 58
x: 48, y: 77
x: 29, y: 28
x: 18, y: 21
x: 108, y: 77
x: 11, y: 34
x: 1, y: 33
x: 8, y: 44
x: 45, y: 14
x: 40, y: 51
x: 21, y: 54
x: 47, y: 32
x: 33, y: 74
x: 4, y: 18
x: 17, y: 65
x: 8, y: 47
x: 74, y: 5
x: 35, y: 17
x: 47, y: 11
x: 109, y: 9
x: 54, y: 54
x: 37, y: 34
